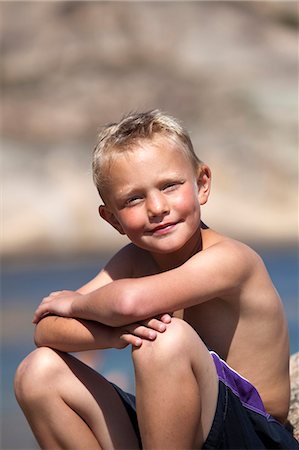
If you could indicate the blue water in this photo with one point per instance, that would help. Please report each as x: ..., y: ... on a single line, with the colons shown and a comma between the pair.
x: 24, y: 286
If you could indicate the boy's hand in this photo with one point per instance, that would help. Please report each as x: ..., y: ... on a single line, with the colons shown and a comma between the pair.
x: 148, y: 330
x: 58, y: 303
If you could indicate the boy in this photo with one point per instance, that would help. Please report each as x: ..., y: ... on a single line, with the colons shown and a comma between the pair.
x: 186, y: 297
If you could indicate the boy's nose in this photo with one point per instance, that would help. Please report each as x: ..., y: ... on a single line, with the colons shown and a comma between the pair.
x: 157, y: 205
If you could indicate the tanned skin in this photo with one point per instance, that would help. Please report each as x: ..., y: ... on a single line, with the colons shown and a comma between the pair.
x: 178, y: 289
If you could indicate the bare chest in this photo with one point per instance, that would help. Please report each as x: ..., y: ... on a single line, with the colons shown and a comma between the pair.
x: 216, y: 323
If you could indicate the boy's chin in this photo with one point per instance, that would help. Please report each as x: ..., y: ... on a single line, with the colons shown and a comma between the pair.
x: 163, y: 248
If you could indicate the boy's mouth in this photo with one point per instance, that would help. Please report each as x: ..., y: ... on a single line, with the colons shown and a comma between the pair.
x: 163, y: 228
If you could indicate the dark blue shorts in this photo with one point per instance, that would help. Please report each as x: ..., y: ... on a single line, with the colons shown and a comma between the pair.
x: 240, y: 421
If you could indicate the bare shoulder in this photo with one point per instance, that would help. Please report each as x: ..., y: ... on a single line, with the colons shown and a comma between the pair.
x: 247, y: 258
x: 130, y: 262
x: 230, y: 253
x: 237, y: 250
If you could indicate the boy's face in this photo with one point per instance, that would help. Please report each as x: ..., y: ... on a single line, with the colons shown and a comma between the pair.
x: 154, y: 196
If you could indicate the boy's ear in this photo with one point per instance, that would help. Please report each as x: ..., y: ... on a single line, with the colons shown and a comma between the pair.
x: 108, y: 215
x: 204, y: 183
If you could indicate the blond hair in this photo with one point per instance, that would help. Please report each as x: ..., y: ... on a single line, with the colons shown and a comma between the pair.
x: 125, y: 135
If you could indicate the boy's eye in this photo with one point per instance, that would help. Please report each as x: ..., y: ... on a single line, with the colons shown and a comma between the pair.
x: 133, y: 200
x: 171, y: 186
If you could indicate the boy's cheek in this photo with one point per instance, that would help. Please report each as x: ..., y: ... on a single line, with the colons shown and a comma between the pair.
x: 131, y: 221
x: 187, y: 202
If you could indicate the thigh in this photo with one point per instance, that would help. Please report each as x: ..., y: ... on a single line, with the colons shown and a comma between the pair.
x: 95, y: 400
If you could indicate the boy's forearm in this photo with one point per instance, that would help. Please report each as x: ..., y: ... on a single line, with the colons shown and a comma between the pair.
x: 74, y: 335
x: 113, y: 304
x: 119, y: 303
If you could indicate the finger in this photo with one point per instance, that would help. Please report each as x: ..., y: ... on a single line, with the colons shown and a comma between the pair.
x: 166, y: 318
x: 154, y: 324
x: 41, y: 311
x: 46, y: 300
x: 38, y: 317
x: 64, y: 292
x: 141, y: 331
x: 55, y: 293
x: 131, y: 339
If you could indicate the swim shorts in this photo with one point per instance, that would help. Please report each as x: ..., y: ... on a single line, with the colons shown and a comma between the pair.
x: 240, y: 421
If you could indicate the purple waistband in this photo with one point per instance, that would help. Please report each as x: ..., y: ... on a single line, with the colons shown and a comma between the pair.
x: 241, y: 387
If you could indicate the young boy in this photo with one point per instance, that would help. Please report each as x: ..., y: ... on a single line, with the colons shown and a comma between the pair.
x: 207, y: 328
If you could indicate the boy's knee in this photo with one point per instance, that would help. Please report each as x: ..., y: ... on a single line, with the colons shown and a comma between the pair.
x: 168, y: 346
x: 33, y: 372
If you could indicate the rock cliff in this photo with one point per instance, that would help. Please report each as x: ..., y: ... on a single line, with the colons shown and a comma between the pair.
x: 228, y: 70
x: 294, y: 407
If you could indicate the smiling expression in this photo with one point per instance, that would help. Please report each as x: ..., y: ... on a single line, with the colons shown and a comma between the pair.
x: 154, y: 196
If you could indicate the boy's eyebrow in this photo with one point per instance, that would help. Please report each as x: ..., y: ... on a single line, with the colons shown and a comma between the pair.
x: 127, y: 193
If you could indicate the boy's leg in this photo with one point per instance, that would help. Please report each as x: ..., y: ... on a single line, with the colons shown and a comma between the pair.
x: 68, y: 405
x: 176, y: 389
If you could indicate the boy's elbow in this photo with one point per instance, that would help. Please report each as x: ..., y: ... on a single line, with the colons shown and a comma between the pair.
x: 126, y: 310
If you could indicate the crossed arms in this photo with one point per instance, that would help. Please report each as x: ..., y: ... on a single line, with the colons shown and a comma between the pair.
x: 107, y: 313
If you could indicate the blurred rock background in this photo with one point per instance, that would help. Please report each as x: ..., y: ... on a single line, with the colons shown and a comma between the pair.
x: 227, y: 70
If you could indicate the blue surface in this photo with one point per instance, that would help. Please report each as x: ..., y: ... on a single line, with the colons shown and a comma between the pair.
x: 23, y: 288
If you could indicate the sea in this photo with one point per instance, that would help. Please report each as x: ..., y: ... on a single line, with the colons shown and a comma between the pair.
x: 24, y: 285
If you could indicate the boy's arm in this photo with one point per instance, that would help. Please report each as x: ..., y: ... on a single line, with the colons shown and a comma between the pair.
x: 71, y: 334
x: 218, y: 271
x: 75, y: 335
